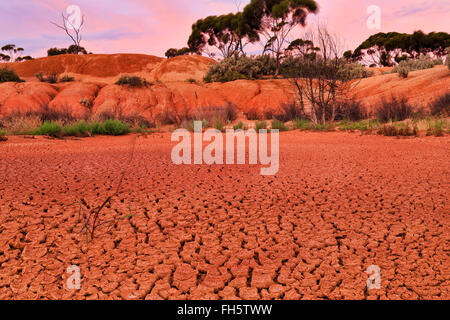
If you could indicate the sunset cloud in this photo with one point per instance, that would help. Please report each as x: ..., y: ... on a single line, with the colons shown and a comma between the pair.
x: 151, y: 27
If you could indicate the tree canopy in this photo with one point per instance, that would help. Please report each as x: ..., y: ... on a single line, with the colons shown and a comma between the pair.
x: 384, y: 49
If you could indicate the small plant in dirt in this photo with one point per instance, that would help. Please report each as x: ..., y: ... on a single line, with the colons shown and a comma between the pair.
x: 51, y: 77
x: 238, y: 126
x: 191, y: 80
x: 66, y: 78
x: 79, y: 129
x: 394, y: 109
x: 7, y: 75
x: 278, y: 125
x: 398, y: 129
x: 49, y: 128
x: 324, y: 127
x: 365, y: 125
x: 219, y: 125
x: 115, y: 128
x: 302, y: 124
x: 132, y: 81
x: 260, y: 125
x: 86, y: 102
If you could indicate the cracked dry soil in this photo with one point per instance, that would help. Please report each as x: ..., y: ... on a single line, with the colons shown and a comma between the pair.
x: 340, y: 203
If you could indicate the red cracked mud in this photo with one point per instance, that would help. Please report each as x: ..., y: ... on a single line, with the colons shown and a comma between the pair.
x: 340, y: 203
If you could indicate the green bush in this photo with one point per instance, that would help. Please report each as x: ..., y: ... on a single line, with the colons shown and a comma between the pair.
x: 79, y: 129
x: 95, y: 128
x: 354, y: 71
x: 278, y: 125
x: 7, y: 75
x: 421, y: 63
x: 49, y: 128
x: 2, y: 132
x: 219, y: 125
x: 115, y: 128
x: 241, y: 67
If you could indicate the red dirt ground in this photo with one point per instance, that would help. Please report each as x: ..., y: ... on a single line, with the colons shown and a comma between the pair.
x: 340, y: 203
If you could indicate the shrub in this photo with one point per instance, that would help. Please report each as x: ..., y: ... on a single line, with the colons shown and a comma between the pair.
x: 395, y: 109
x: 66, y: 78
x: 441, y: 106
x: 190, y: 80
x: 2, y: 132
x: 354, y: 71
x: 241, y: 67
x: 403, y: 71
x: 289, y: 112
x: 252, y: 114
x: 95, y: 128
x: 278, y: 125
x: 51, y: 77
x: 260, y: 125
x: 115, y: 128
x: 79, y: 129
x: 351, y: 110
x: 7, y: 75
x: 132, y: 81
x: 49, y: 128
x: 438, y: 62
x: 213, y: 114
x: 421, y: 63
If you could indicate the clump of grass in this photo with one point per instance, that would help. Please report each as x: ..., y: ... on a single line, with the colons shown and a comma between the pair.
x: 7, y: 75
x: 66, y: 78
x: 365, y: 125
x: 115, y: 128
x: 324, y: 127
x: 238, y: 126
x: 79, y: 129
x: 302, y: 124
x: 132, y: 81
x: 260, y: 125
x: 50, y: 128
x: 219, y: 125
x: 191, y: 80
x: 278, y: 125
x: 51, y: 77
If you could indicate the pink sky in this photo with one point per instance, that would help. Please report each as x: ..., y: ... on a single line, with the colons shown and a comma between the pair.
x: 153, y: 26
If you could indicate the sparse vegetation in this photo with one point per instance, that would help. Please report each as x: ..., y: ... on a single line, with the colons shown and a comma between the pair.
x: 260, y: 125
x: 51, y: 77
x: 441, y: 106
x: 394, y: 109
x: 238, y: 126
x: 86, y: 102
x: 132, y: 81
x: 278, y: 125
x: 7, y: 75
x: 67, y: 78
